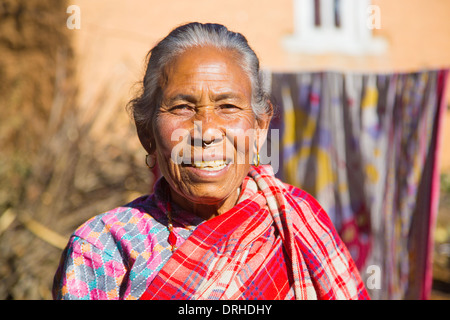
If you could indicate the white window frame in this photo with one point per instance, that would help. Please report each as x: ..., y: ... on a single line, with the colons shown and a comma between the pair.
x: 353, y: 37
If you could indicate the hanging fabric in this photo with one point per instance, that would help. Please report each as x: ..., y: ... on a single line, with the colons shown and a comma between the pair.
x: 365, y: 145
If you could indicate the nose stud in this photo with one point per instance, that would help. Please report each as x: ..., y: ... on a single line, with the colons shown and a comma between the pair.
x: 211, y: 142
x: 207, y: 144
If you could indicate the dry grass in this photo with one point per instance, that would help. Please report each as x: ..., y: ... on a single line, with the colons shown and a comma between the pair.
x: 87, y: 163
x: 61, y: 161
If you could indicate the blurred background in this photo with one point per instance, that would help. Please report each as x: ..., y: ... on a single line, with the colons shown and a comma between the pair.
x: 68, y: 148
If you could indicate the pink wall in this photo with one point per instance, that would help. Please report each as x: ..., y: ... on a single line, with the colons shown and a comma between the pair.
x: 115, y: 36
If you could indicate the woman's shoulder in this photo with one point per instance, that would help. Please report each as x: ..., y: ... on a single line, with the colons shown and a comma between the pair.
x: 302, y: 196
x: 308, y: 203
x: 128, y: 223
x: 110, y: 244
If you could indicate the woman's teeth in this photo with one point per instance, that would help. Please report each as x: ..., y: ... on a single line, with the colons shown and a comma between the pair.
x: 213, y: 165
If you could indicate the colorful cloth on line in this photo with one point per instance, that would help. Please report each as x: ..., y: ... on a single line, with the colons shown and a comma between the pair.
x: 366, y: 147
x: 277, y: 243
x: 119, y: 254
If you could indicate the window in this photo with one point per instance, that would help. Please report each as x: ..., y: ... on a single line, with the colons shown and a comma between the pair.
x: 334, y: 26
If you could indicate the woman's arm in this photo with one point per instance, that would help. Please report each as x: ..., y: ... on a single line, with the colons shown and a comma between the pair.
x: 87, y: 273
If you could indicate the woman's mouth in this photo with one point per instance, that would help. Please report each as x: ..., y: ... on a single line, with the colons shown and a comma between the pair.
x: 210, y: 165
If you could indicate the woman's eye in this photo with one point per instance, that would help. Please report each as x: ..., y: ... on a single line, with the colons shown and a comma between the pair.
x: 229, y: 107
x: 181, y: 108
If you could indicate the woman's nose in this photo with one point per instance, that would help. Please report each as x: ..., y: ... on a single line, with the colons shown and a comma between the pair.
x: 207, y: 129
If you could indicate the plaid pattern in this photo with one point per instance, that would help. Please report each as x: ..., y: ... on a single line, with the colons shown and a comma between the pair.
x: 276, y: 243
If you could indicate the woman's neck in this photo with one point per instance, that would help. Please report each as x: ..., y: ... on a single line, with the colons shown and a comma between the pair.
x: 204, y: 209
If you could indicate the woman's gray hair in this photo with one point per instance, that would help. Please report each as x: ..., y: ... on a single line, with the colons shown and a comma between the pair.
x: 179, y: 40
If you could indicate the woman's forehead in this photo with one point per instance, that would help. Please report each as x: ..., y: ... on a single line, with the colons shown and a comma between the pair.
x: 207, y: 68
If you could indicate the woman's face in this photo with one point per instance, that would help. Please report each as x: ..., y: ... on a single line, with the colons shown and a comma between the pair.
x: 205, y: 129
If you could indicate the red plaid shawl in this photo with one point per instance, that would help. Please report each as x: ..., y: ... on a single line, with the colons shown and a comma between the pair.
x: 276, y: 243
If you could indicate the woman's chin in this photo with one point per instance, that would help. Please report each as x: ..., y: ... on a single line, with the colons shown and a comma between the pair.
x: 196, y: 188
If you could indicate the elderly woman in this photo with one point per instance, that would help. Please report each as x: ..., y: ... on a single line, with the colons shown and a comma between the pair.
x: 219, y: 225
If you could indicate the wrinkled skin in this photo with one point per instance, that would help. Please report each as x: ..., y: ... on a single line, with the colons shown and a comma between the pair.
x: 206, y: 96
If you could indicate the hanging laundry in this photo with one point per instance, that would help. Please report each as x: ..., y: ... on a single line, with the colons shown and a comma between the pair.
x: 365, y: 145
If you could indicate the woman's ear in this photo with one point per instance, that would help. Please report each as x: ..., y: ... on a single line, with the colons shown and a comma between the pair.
x: 263, y: 125
x: 264, y: 120
x: 146, y: 138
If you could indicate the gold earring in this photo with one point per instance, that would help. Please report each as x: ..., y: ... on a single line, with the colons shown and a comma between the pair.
x: 256, y: 162
x: 153, y: 162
